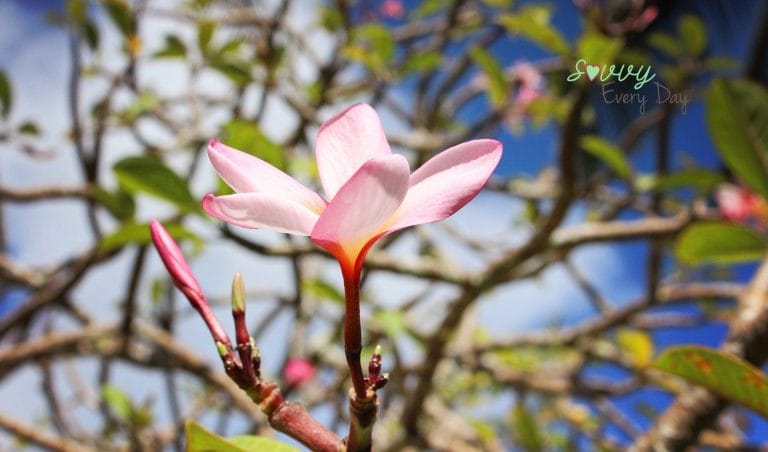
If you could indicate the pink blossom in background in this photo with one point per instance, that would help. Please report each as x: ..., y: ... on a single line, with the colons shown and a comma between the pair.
x: 370, y: 192
x: 392, y: 9
x: 530, y: 86
x: 740, y: 205
x: 298, y: 371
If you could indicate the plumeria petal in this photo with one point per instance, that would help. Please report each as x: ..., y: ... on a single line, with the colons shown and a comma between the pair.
x: 246, y: 173
x: 345, y: 142
x: 261, y: 210
x: 363, y: 206
x: 447, y: 182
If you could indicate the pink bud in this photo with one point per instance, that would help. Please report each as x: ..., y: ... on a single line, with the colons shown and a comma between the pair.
x: 298, y: 371
x: 174, y: 261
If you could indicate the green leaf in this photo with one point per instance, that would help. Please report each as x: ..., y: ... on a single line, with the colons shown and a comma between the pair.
x: 372, y: 45
x: 665, y: 43
x: 77, y: 10
x: 120, y: 13
x: 255, y: 443
x: 174, y: 48
x: 144, y: 103
x: 693, y: 34
x: 422, y: 62
x: 701, y: 179
x: 637, y: 344
x: 737, y: 118
x: 118, y: 203
x: 390, y: 322
x: 322, y: 290
x: 609, y: 154
x: 6, y: 95
x: 719, y: 243
x: 28, y: 128
x: 497, y: 86
x: 598, y: 49
x: 331, y: 18
x: 526, y: 429
x: 237, y: 71
x: 91, y: 35
x: 204, y: 34
x: 201, y: 440
x: 533, y: 23
x: 150, y: 176
x: 248, y: 137
x: 138, y: 233
x: 726, y: 375
x: 117, y: 401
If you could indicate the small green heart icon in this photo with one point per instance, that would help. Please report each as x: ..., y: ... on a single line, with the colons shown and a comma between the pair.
x: 592, y: 71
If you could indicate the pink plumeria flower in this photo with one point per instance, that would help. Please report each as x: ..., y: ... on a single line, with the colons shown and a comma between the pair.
x: 298, y: 371
x: 370, y: 192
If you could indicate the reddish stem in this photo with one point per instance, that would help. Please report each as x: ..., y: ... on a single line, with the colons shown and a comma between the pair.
x: 353, y: 342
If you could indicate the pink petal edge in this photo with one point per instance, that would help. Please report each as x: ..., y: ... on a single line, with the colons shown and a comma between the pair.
x: 248, y: 174
x: 345, y: 142
x: 447, y: 182
x: 261, y: 210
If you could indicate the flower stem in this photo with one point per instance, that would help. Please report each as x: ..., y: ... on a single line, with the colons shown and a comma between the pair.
x: 363, y: 402
x: 352, y: 336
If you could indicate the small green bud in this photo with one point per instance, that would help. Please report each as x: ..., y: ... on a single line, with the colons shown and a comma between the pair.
x: 223, y: 351
x: 238, y: 293
x: 377, y: 350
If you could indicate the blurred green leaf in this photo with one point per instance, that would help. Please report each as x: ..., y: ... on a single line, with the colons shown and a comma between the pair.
x: 429, y: 7
x: 117, y: 401
x: 724, y: 374
x: 526, y: 430
x: 91, y: 35
x: 693, y: 34
x: 609, y: 154
x: 331, y: 18
x: 138, y: 234
x: 720, y: 63
x: 737, y: 118
x: 248, y: 137
x: 122, y: 16
x: 700, y: 179
x: 533, y: 23
x: 6, y: 95
x: 637, y: 344
x: 77, y: 10
x: 174, y: 48
x: 719, y: 243
x: 201, y: 440
x: 150, y: 176
x: 144, y: 103
x: 497, y: 86
x: 28, y: 128
x: 422, y: 62
x: 598, y: 49
x: 119, y: 203
x: 237, y: 71
x: 322, y: 290
x: 392, y: 323
x: 665, y: 43
x: 205, y: 31
x: 372, y: 44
